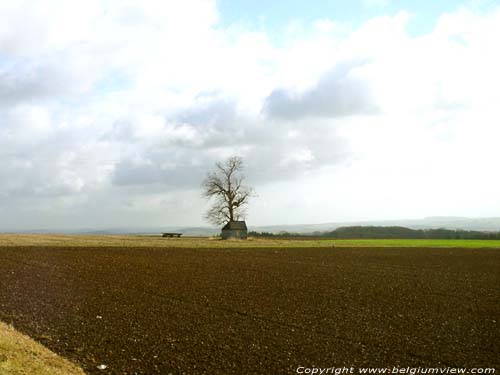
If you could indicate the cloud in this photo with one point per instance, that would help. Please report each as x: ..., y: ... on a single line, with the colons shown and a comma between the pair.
x: 171, y: 173
x: 343, y: 91
x: 40, y: 158
x: 30, y: 80
x: 120, y: 108
x: 215, y: 128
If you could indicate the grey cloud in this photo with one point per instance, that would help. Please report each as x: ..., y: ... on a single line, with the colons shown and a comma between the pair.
x: 129, y: 173
x: 216, y: 121
x: 28, y: 80
x: 120, y: 131
x: 62, y: 162
x: 182, y: 174
x: 35, y: 176
x: 209, y: 123
x: 279, y: 157
x: 338, y: 93
x: 212, y: 111
x: 47, y: 161
x: 58, y: 170
x: 273, y: 150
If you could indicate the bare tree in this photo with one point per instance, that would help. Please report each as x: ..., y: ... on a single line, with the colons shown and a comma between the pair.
x: 225, y: 187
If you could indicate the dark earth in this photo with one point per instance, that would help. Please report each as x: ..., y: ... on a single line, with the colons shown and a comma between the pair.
x: 255, y: 311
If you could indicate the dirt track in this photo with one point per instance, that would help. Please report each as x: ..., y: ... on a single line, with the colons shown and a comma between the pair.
x: 255, y: 311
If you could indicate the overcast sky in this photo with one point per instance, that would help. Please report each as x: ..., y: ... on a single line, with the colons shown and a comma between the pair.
x: 112, y: 112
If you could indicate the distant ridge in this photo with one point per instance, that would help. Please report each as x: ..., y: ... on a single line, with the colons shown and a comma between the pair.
x: 390, y: 232
x: 434, y: 222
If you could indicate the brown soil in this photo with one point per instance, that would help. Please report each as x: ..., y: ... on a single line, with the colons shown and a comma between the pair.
x: 255, y: 311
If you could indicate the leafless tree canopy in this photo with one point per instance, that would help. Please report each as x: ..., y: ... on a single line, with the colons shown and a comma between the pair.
x: 225, y: 187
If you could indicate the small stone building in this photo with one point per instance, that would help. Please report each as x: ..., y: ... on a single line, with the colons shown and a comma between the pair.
x: 235, y: 229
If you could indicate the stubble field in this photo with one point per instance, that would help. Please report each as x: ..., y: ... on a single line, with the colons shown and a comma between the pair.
x: 146, y: 310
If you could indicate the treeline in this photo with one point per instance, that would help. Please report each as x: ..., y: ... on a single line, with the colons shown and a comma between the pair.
x: 388, y: 233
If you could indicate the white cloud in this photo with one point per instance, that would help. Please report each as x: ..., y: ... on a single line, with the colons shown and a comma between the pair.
x: 120, y: 107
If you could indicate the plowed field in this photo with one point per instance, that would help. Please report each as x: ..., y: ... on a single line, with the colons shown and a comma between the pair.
x: 255, y: 311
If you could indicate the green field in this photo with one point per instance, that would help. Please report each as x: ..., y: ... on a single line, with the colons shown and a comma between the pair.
x: 416, y: 243
x: 204, y: 242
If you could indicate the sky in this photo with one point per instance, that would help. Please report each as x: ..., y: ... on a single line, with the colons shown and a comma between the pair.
x: 112, y: 112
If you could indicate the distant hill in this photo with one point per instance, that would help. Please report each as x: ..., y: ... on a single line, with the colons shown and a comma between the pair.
x: 479, y: 224
x: 476, y: 224
x: 402, y: 232
x: 392, y: 232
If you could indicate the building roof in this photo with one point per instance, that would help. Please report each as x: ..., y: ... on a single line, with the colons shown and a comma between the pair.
x: 235, y: 225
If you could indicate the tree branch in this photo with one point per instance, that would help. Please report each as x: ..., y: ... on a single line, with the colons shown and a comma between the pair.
x: 225, y: 187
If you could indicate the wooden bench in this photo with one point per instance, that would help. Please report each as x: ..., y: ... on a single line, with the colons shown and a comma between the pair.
x: 172, y: 234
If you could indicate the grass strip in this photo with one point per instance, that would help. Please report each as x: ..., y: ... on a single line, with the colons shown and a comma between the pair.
x: 20, y: 355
